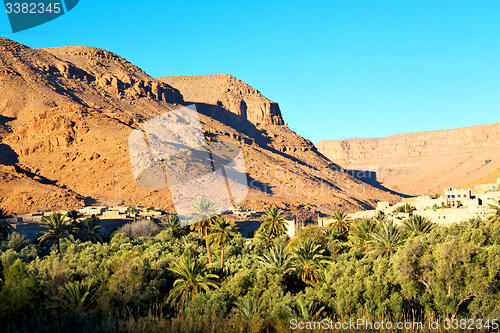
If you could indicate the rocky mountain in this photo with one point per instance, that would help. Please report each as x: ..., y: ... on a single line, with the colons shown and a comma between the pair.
x: 229, y: 93
x: 66, y: 115
x: 424, y: 162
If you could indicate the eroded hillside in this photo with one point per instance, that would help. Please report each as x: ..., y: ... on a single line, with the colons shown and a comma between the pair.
x: 423, y: 162
x: 66, y: 114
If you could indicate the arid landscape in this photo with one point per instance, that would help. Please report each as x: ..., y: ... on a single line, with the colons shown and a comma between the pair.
x: 422, y: 163
x: 249, y: 167
x: 66, y: 114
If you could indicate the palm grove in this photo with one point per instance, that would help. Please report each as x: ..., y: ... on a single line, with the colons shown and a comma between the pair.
x: 209, y: 274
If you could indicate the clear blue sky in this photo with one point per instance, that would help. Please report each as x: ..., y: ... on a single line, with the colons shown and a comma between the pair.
x: 338, y: 69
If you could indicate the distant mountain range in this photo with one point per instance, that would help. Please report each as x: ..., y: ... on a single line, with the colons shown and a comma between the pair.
x: 424, y: 162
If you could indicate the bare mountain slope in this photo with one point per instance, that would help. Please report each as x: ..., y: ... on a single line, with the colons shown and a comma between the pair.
x: 492, y: 178
x: 229, y: 93
x: 423, y: 162
x: 66, y: 114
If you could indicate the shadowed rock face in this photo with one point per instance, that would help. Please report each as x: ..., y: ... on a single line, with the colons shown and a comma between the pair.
x: 66, y: 115
x: 229, y: 93
x: 423, y: 162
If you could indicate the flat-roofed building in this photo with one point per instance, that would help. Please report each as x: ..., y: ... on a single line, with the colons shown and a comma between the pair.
x: 425, y: 202
x: 366, y: 214
x: 32, y: 217
x: 93, y: 210
x: 454, y: 197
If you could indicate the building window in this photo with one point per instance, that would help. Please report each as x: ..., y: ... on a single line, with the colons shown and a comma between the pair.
x: 439, y: 217
x: 459, y: 195
x: 444, y: 217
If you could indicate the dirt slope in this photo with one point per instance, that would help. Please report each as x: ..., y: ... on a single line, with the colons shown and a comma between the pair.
x: 492, y: 178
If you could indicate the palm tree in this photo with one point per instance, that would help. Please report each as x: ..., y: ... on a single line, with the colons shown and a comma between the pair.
x: 193, y: 278
x: 250, y: 306
x: 5, y: 227
x: 221, y: 232
x: 418, y: 224
x: 58, y: 229
x: 264, y: 237
x: 203, y: 209
x: 74, y: 215
x: 273, y: 221
x: 79, y: 296
x: 406, y: 208
x: 132, y: 210
x: 360, y: 234
x: 386, y: 240
x: 340, y: 221
x: 173, y: 224
x: 380, y: 217
x: 202, y: 216
x: 278, y: 259
x: 308, y: 310
x: 475, y: 222
x: 309, y: 261
x: 337, y: 242
x: 89, y: 230
x: 494, y: 217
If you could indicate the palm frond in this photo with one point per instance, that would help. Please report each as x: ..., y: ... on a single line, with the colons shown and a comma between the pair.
x: 193, y: 279
x: 418, y: 224
x: 386, y: 240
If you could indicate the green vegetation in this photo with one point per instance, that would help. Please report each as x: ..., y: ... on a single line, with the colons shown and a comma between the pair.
x: 90, y: 230
x: 273, y: 222
x: 361, y: 233
x: 202, y: 216
x: 164, y: 283
x: 79, y: 295
x: 58, y: 229
x: 385, y: 240
x: 418, y: 224
x: 5, y: 227
x: 279, y: 260
x: 380, y: 217
x: 221, y: 232
x: 173, y: 224
x: 494, y: 216
x: 132, y: 211
x: 193, y: 277
x: 310, y: 261
x: 340, y: 221
x: 406, y: 208
x: 74, y: 215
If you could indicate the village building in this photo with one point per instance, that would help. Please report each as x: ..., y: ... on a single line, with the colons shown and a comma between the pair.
x: 454, y: 205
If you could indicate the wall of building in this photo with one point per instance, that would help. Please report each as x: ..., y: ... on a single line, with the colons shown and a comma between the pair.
x: 367, y: 214
x: 290, y: 225
x: 448, y: 216
x: 426, y: 202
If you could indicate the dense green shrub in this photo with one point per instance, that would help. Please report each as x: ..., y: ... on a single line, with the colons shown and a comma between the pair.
x: 20, y: 295
x: 448, y: 272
